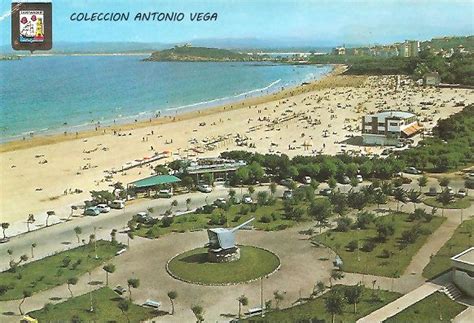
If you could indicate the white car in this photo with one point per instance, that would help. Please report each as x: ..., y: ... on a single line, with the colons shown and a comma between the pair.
x: 307, y: 180
x: 117, y: 204
x: 359, y: 178
x: 204, y: 188
x: 462, y: 193
x: 103, y: 208
x: 247, y: 200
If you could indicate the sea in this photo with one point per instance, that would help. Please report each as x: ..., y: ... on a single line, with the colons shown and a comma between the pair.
x: 53, y: 94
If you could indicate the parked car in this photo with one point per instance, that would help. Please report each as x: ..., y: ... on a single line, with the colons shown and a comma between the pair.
x: 205, y: 188
x: 306, y: 180
x: 462, y: 192
x: 220, y: 202
x: 143, y: 217
x: 117, y: 204
x: 432, y: 191
x: 286, y: 182
x: 103, y: 208
x: 345, y: 180
x: 247, y: 199
x: 325, y: 192
x: 92, y: 211
x: 165, y: 194
x: 288, y: 194
x: 412, y: 170
x: 359, y: 178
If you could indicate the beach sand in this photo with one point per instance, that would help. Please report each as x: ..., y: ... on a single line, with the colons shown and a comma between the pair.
x: 36, y: 173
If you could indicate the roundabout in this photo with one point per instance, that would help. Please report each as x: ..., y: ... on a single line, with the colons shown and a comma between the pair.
x: 194, y: 266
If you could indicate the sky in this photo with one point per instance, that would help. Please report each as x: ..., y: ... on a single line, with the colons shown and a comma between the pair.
x: 313, y: 22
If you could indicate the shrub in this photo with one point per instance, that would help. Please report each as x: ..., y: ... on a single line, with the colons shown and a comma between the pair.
x: 167, y: 221
x: 244, y: 210
x: 236, y: 218
x: 253, y: 207
x: 266, y: 219
x: 364, y: 219
x: 343, y: 224
x: 469, y: 183
x: 352, y: 245
x: 385, y: 254
x: 275, y: 216
x: 368, y: 246
x: 282, y: 226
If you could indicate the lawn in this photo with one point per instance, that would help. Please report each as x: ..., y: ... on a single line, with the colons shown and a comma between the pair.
x: 54, y: 271
x: 458, y: 203
x: 315, y: 309
x: 235, y: 215
x: 105, y: 302
x: 397, y: 256
x: 460, y: 241
x: 435, y: 308
x: 193, y: 266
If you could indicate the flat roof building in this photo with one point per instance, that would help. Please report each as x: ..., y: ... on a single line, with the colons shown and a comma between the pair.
x: 463, y: 271
x: 388, y: 127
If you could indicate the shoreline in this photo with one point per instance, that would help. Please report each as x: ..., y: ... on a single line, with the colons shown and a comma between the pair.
x: 47, y: 139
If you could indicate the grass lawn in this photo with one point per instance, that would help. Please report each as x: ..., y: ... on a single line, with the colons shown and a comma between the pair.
x: 458, y: 203
x: 315, y: 309
x: 105, y: 309
x: 374, y: 262
x: 435, y: 308
x: 459, y: 242
x: 194, y: 266
x: 51, y: 271
x: 233, y: 215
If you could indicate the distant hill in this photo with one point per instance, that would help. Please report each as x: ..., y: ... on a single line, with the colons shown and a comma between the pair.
x: 199, y: 54
x: 450, y: 42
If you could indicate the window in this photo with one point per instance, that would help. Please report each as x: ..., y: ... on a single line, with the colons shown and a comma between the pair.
x: 393, y: 124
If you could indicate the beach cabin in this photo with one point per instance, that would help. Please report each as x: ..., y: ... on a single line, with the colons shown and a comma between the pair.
x: 431, y: 79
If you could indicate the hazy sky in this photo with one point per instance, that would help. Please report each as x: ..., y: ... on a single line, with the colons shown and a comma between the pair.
x: 317, y: 22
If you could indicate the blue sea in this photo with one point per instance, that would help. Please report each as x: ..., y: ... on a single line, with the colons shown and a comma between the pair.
x: 49, y: 94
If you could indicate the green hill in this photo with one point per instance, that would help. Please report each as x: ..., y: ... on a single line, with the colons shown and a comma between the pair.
x: 199, y: 54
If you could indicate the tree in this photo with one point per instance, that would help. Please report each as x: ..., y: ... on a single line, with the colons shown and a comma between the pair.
x: 78, y: 231
x: 10, y: 253
x: 71, y: 281
x: 339, y: 202
x: 400, y: 195
x: 172, y: 295
x: 343, y: 224
x: 109, y: 269
x: 251, y: 190
x: 173, y: 204
x: 332, y: 183
x: 23, y: 258
x: 422, y: 181
x: 113, y: 236
x: 262, y: 198
x: 278, y: 296
x: 198, y: 313
x: 380, y: 198
x: 273, y: 188
x: 26, y: 294
x: 414, y: 197
x: 318, y: 288
x: 124, y: 306
x: 132, y: 283
x: 243, y: 301
x: 334, y: 305
x: 33, y: 246
x: 418, y: 214
x: 188, y: 203
x: 445, y: 197
x: 353, y: 295
x: 364, y: 219
x: 335, y: 275
x: 48, y: 214
x: 5, y: 226
x: 443, y: 181
x: 30, y: 220
x: 320, y: 211
x: 384, y: 230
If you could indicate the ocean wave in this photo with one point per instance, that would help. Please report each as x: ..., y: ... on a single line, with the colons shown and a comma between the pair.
x: 226, y: 98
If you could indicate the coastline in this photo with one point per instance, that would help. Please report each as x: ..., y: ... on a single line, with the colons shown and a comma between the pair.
x: 333, y: 79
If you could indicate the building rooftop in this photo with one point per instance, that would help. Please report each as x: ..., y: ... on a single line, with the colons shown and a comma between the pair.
x: 391, y: 114
x: 155, y: 180
x: 467, y: 256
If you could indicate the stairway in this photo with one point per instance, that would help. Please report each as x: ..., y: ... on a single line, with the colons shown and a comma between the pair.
x: 452, y: 291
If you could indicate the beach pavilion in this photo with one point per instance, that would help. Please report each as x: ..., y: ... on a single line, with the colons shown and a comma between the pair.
x: 155, y: 183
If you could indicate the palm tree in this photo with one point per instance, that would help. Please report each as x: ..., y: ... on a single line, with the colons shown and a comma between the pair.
x: 109, y: 269
x: 172, y: 295
x: 33, y: 246
x: 273, y: 188
x: 353, y: 295
x: 198, y: 312
x: 422, y: 181
x: 400, y: 195
x: 320, y: 212
x: 334, y: 305
x: 318, y: 288
x: 30, y: 220
x: 243, y: 301
x: 113, y: 235
x: 92, y: 239
x: 5, y: 226
x: 173, y: 204
x: 278, y: 296
x: 124, y: 306
x: 335, y: 275
x: 23, y: 258
x: 414, y: 197
x: 71, y: 281
x: 26, y: 294
x: 10, y: 253
x: 78, y: 231
x: 132, y: 283
x: 130, y: 235
x: 188, y: 203
x: 251, y: 190
x: 445, y: 198
x: 48, y: 214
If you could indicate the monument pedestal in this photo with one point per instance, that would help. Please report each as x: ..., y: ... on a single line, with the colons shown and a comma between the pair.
x: 223, y: 255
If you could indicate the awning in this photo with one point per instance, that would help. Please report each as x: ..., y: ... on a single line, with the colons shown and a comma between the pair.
x: 412, y: 130
x: 155, y: 180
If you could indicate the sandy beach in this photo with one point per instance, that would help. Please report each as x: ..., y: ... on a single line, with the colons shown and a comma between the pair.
x: 42, y: 173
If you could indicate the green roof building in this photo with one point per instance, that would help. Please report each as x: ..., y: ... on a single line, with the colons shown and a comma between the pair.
x: 154, y: 181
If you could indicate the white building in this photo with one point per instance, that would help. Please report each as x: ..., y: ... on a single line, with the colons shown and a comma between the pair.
x: 388, y: 127
x: 463, y: 271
